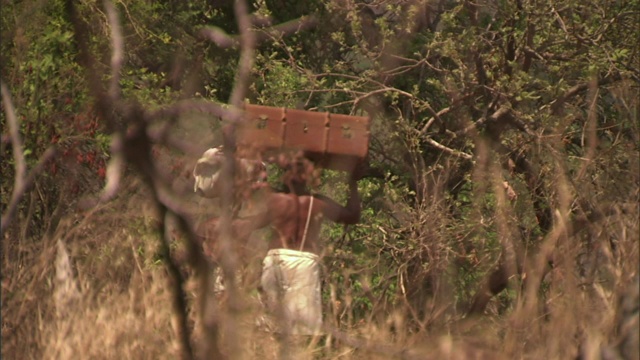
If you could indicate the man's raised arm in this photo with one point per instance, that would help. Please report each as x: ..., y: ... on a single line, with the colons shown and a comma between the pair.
x: 348, y: 214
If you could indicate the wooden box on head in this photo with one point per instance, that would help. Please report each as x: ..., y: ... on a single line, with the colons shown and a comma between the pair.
x: 331, y: 141
x: 262, y: 131
x: 347, y: 142
x: 307, y: 131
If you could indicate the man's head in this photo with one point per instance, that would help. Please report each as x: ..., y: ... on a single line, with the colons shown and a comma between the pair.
x: 299, y: 175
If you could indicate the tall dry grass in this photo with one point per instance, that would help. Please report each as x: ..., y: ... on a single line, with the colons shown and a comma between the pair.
x: 99, y: 289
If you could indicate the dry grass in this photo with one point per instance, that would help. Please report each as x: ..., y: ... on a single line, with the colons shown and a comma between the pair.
x: 123, y: 308
x: 133, y: 324
x: 116, y: 300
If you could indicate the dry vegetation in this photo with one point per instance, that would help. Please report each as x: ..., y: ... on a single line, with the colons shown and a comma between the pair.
x: 115, y: 300
x: 535, y: 258
x: 118, y: 303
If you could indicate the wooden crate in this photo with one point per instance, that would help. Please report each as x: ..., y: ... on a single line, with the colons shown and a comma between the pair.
x: 348, y: 135
x: 332, y: 141
x: 306, y: 131
x: 263, y: 128
x: 347, y: 142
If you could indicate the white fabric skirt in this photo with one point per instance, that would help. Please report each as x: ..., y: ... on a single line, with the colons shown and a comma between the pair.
x: 290, y: 284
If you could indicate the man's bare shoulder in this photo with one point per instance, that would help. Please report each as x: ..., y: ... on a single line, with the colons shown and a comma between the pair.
x: 280, y: 201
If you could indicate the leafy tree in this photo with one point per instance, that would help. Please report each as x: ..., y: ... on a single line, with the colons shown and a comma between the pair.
x: 503, y: 169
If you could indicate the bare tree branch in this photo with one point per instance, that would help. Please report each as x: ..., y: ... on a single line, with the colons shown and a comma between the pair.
x: 247, y: 50
x: 114, y: 169
x: 436, y: 116
x: 117, y: 54
x: 26, y: 185
x: 16, y: 140
x: 290, y: 27
x: 219, y: 37
x: 224, y: 40
x: 137, y: 151
x: 103, y: 103
x: 558, y: 103
x: 179, y: 295
x: 134, y: 147
x: 22, y: 181
x: 229, y: 259
x: 502, y: 114
x: 448, y: 150
x: 184, y: 146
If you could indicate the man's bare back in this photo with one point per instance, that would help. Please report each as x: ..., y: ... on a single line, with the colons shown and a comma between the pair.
x: 287, y: 214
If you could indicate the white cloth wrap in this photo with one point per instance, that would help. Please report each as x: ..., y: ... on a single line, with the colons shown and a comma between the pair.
x: 206, y: 172
x: 291, y: 284
x: 209, y: 166
x: 205, y: 184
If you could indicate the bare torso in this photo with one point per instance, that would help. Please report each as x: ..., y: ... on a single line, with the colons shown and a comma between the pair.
x: 287, y: 215
x: 296, y: 221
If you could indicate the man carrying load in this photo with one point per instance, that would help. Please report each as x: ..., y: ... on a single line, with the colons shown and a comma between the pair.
x: 290, y: 279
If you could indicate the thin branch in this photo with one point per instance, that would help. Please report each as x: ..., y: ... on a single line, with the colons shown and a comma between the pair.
x: 134, y: 148
x: 558, y: 103
x: 384, y: 90
x: 184, y: 146
x: 18, y: 193
x: 247, y: 50
x: 137, y: 151
x: 351, y: 77
x: 16, y: 141
x: 114, y: 169
x: 179, y: 295
x: 436, y: 116
x: 219, y: 37
x: 229, y: 259
x: 22, y: 181
x: 225, y: 41
x: 590, y: 128
x: 117, y: 45
x: 103, y: 105
x: 499, y: 115
x: 448, y: 149
x: 294, y: 26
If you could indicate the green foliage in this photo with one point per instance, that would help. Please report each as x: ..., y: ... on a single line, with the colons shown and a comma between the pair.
x: 436, y: 81
x: 278, y: 84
